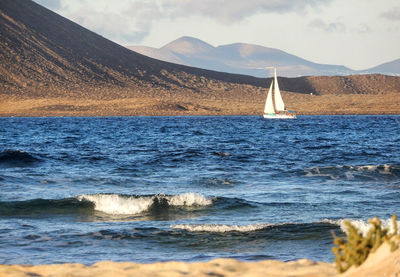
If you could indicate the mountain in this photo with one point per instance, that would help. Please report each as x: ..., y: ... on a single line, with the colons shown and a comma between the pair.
x: 188, y: 46
x: 238, y: 58
x: 159, y: 54
x: 389, y: 68
x: 250, y: 59
x: 51, y: 66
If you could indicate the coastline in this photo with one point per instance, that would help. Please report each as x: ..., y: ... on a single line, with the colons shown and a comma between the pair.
x: 383, y: 262
x: 302, y: 104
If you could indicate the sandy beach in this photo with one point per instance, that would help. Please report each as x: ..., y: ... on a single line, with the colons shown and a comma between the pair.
x: 218, y: 267
x: 381, y: 263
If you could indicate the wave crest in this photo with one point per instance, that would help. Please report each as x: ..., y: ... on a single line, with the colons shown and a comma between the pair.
x: 219, y: 228
x: 117, y: 204
x: 362, y: 225
x: 356, y: 171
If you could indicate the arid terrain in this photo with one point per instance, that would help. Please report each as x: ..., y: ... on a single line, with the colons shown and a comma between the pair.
x: 185, y: 105
x: 50, y: 66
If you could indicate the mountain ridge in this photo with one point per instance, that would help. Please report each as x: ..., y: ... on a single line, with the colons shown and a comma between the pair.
x: 391, y: 67
x: 253, y: 59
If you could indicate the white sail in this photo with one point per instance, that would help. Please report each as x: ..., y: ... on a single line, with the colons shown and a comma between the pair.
x: 279, y: 105
x: 269, y: 105
x: 274, y: 106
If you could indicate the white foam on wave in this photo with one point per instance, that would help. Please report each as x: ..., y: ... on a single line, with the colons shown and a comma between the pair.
x: 116, y: 204
x: 362, y: 225
x: 189, y: 199
x: 349, y: 171
x: 383, y: 169
x: 219, y: 228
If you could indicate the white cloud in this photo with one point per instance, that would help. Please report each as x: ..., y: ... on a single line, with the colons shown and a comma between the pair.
x: 392, y: 14
x: 131, y: 20
x: 122, y: 23
x: 233, y: 11
x: 327, y: 27
x: 363, y: 29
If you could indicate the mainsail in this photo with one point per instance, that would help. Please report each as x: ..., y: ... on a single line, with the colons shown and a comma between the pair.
x: 279, y: 105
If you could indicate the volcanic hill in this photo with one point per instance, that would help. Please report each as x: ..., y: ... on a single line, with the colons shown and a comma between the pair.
x: 51, y: 66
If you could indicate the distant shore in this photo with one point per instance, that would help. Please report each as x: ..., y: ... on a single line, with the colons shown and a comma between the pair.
x: 302, y: 104
x: 383, y: 262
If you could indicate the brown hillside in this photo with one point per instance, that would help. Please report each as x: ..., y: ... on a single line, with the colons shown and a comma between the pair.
x: 52, y: 66
x: 354, y: 84
x: 41, y: 48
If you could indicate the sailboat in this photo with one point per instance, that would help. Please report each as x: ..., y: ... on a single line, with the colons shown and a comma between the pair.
x: 274, y: 106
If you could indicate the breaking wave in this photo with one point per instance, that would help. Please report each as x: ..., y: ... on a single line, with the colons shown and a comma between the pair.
x: 355, y: 172
x: 362, y: 225
x: 117, y: 204
x: 220, y: 228
x: 112, y: 204
x: 270, y: 230
x: 221, y: 235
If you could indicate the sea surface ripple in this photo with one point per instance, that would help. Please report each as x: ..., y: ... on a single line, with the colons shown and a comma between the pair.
x: 148, y: 189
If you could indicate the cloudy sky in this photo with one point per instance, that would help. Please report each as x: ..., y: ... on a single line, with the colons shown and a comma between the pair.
x: 356, y: 33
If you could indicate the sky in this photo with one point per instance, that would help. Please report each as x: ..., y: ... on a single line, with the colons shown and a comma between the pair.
x: 359, y: 34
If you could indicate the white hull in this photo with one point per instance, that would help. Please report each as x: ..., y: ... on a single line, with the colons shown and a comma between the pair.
x: 279, y: 116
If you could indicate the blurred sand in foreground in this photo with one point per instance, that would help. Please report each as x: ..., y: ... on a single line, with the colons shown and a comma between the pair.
x: 381, y: 263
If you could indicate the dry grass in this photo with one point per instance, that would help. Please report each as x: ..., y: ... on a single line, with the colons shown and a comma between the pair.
x: 158, y: 104
x: 344, y: 103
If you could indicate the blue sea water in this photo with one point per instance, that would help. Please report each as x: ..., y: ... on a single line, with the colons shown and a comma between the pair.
x: 149, y: 189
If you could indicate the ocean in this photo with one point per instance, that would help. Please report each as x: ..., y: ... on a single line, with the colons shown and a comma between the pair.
x: 148, y: 189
